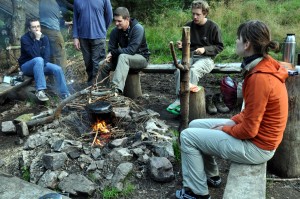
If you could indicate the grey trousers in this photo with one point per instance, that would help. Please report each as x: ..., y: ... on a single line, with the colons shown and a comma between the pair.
x: 199, y: 146
x: 199, y: 67
x: 125, y: 62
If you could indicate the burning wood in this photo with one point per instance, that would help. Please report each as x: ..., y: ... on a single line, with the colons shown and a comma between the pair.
x: 101, y: 128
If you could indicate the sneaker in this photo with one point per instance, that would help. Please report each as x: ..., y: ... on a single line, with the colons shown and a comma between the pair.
x: 41, y: 96
x: 174, y: 104
x: 214, y: 181
x: 64, y: 96
x: 210, y: 106
x: 219, y: 103
x: 186, y: 194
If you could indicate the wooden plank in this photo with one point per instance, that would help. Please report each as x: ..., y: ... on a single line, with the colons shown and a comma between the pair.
x: 170, y: 68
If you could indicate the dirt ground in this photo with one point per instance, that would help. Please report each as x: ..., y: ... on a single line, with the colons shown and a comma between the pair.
x: 158, y: 90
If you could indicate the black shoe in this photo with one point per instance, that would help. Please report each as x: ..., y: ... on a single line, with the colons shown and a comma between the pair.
x: 219, y: 103
x: 214, y: 181
x: 187, y: 194
x: 210, y: 106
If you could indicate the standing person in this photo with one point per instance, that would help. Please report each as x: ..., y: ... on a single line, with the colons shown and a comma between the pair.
x: 127, y: 49
x: 51, y: 20
x: 90, y: 23
x: 34, y: 61
x: 250, y: 137
x: 206, y: 43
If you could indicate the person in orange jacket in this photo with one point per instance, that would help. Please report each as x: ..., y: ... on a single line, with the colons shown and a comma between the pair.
x: 250, y: 137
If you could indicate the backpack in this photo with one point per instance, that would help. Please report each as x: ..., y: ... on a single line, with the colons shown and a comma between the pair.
x: 229, y: 91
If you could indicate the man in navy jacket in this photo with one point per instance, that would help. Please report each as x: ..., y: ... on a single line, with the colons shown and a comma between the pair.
x: 34, y: 61
x: 127, y: 49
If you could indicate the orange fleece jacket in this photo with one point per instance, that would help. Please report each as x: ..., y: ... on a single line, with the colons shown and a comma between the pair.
x: 264, y: 117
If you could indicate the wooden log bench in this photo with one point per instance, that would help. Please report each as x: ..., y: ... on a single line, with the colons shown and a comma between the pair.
x: 133, y: 87
x: 246, y: 181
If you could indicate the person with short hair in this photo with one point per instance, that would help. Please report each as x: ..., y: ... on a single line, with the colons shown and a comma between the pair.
x: 127, y: 49
x: 250, y: 137
x: 91, y: 20
x: 205, y: 43
x: 34, y: 61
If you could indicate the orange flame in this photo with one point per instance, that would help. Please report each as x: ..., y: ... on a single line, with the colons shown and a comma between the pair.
x: 101, y: 126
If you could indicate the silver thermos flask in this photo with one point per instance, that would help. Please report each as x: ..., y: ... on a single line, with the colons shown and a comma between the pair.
x: 289, y: 49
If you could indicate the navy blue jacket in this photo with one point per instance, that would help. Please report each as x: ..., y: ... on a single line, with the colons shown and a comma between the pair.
x: 31, y: 48
x: 132, y: 41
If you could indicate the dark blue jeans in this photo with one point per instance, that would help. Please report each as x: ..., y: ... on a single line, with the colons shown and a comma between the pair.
x: 93, y: 51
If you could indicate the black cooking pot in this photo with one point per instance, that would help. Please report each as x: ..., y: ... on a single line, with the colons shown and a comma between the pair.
x: 100, y: 110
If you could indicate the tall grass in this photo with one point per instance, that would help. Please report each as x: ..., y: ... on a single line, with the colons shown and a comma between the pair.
x: 280, y: 15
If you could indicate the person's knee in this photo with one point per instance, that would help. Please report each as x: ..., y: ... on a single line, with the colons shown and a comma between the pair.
x: 122, y: 57
x: 39, y: 61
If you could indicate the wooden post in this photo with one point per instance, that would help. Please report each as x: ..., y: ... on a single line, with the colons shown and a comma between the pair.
x: 197, y: 105
x: 133, y: 87
x: 286, y: 160
x: 185, y: 79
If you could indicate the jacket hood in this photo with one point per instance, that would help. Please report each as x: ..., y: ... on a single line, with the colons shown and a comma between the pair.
x: 133, y: 22
x: 271, y: 66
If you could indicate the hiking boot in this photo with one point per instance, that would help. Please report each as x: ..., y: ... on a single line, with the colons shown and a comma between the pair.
x: 219, y: 103
x: 210, y: 106
x: 214, y: 181
x: 41, y: 96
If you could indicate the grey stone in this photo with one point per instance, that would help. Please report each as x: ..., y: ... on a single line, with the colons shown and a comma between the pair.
x: 161, y: 169
x: 49, y: 179
x: 76, y: 183
x: 120, y: 174
x: 96, y: 152
x: 8, y: 127
x: 54, y: 161
x: 13, y: 187
x: 122, y: 112
x: 118, y: 142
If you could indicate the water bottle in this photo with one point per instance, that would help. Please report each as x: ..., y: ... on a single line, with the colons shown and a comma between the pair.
x: 289, y: 49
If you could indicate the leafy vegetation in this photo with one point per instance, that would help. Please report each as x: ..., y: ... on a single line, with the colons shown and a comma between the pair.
x: 25, y: 173
x: 111, y: 192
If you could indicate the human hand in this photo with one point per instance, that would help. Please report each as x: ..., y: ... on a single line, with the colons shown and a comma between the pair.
x: 76, y: 44
x: 108, y: 57
x: 179, y: 44
x: 37, y: 34
x: 200, y: 51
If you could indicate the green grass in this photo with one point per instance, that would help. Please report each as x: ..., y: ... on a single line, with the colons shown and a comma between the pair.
x: 25, y: 173
x: 112, y: 193
x: 280, y: 16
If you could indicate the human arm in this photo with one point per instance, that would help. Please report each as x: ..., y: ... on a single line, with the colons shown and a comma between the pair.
x: 256, y: 97
x: 108, y: 13
x: 215, y: 45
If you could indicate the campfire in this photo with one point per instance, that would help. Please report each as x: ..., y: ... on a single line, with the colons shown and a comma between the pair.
x: 102, y: 133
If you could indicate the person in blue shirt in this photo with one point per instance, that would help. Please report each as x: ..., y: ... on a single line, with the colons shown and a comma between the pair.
x: 127, y: 49
x: 34, y: 61
x: 91, y: 19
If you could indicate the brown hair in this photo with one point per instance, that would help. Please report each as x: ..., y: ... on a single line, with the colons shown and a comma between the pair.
x: 123, y: 12
x: 200, y: 4
x: 258, y: 34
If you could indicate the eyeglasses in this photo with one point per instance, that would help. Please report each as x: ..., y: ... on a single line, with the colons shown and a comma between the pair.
x: 33, y: 27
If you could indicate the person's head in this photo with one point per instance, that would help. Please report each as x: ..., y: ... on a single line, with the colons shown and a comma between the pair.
x: 253, y: 37
x: 33, y: 25
x: 200, y: 10
x: 122, y: 18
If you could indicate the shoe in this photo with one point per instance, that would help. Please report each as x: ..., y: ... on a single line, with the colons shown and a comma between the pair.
x: 174, y: 108
x: 214, y: 181
x: 184, y: 194
x: 210, y: 106
x: 41, y: 96
x: 64, y: 96
x: 219, y: 103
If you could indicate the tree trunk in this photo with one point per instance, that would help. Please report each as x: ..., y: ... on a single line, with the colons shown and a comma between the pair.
x: 185, y: 79
x: 133, y: 87
x: 18, y: 21
x: 286, y: 160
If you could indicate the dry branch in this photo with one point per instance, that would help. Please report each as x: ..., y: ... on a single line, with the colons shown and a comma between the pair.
x: 179, y: 66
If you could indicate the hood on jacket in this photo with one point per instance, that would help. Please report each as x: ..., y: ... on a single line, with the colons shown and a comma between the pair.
x: 271, y: 66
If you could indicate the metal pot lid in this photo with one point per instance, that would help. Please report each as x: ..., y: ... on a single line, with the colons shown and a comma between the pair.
x: 99, y: 107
